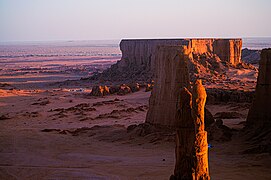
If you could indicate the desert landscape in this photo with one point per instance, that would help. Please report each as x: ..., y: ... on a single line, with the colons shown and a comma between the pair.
x: 99, y: 112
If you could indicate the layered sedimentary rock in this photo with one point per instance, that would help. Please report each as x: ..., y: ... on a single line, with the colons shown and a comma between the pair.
x: 171, y: 76
x: 138, y: 56
x: 260, y: 112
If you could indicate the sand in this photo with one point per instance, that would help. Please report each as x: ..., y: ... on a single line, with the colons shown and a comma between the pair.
x: 40, y: 139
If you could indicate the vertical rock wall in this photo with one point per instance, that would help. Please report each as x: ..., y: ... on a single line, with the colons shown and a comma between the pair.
x: 171, y: 75
x: 141, y: 52
x: 228, y: 50
x: 139, y: 56
x: 260, y: 113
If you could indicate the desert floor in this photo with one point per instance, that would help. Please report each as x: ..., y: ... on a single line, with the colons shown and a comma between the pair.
x: 53, y: 134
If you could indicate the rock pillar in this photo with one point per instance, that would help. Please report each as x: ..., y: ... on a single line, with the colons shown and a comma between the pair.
x: 260, y: 113
x: 191, y: 139
x: 185, y: 138
x: 201, y: 145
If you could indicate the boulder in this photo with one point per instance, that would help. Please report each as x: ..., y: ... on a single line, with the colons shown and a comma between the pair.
x: 149, y: 87
x: 134, y: 87
x: 100, y: 91
x: 124, y: 89
x: 113, y: 89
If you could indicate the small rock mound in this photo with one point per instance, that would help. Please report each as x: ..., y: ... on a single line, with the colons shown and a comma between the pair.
x: 124, y: 89
x: 100, y: 91
x: 149, y: 87
x: 134, y: 87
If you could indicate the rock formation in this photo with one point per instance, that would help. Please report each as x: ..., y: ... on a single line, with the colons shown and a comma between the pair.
x: 251, y: 56
x: 185, y: 138
x: 99, y: 91
x: 258, y: 128
x: 260, y: 114
x: 201, y: 145
x: 124, y: 89
x: 191, y: 139
x: 139, y: 56
x: 171, y: 76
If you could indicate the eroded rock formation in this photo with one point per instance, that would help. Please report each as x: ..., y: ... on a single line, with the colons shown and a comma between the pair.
x: 201, y: 145
x: 260, y: 114
x: 171, y: 76
x: 99, y: 91
x: 251, y: 56
x: 185, y: 138
x: 191, y: 138
x: 139, y: 57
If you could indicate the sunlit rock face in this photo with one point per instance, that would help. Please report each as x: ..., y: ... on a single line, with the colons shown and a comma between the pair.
x: 139, y: 56
x: 142, y: 52
x: 260, y: 112
x: 228, y: 50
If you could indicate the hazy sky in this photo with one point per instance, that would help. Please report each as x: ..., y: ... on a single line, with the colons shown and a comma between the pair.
x: 46, y: 20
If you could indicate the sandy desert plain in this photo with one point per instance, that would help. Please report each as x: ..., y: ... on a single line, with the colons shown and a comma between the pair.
x: 54, y: 129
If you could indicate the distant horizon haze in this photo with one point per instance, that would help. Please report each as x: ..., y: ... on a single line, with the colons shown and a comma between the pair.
x: 79, y: 20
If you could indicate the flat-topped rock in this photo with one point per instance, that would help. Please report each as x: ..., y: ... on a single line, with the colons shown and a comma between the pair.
x: 138, y: 56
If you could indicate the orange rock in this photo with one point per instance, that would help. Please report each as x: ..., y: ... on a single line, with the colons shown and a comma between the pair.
x: 99, y: 91
x: 171, y: 74
x: 201, y: 145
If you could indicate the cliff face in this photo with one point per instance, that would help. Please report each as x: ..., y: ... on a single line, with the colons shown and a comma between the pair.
x: 259, y: 114
x: 138, y: 56
x: 258, y: 127
x: 228, y: 50
x: 171, y: 75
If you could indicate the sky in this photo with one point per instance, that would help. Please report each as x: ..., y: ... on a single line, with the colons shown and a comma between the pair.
x: 52, y: 20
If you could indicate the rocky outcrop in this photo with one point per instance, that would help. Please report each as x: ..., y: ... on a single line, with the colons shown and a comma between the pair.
x: 191, y: 138
x: 171, y: 75
x: 259, y: 116
x: 100, y: 91
x: 139, y: 57
x: 251, y: 56
x: 124, y: 89
x: 216, y: 95
x: 185, y: 138
x: 201, y: 145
